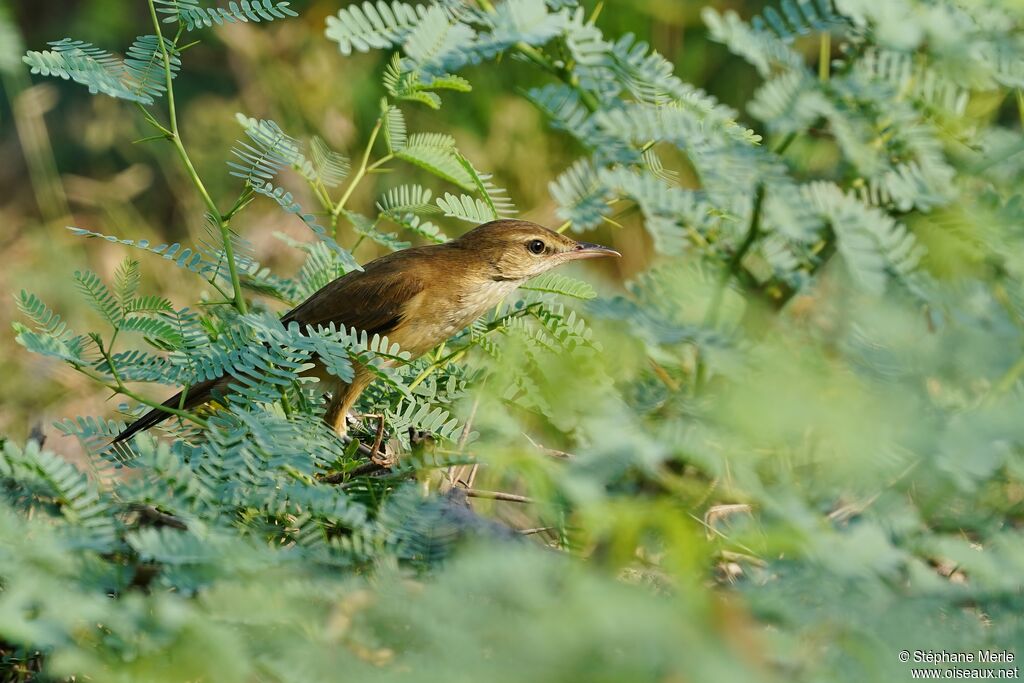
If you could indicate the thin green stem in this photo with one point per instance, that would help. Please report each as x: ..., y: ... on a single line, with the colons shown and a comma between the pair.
x: 438, y: 364
x: 380, y: 162
x: 785, y: 143
x: 164, y: 132
x: 175, y: 137
x: 149, y: 138
x: 825, y: 57
x: 538, y: 58
x: 568, y: 77
x: 357, y: 178
x: 736, y: 262
x: 244, y: 199
x: 118, y: 387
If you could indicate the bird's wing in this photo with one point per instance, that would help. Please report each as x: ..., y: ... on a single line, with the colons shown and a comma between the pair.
x: 373, y: 300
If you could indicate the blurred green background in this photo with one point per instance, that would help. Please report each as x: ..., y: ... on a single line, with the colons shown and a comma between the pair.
x: 69, y: 158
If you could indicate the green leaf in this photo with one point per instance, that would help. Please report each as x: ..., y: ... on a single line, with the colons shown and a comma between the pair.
x: 395, y: 135
x: 63, y: 347
x: 436, y: 153
x: 155, y: 329
x: 183, y: 257
x: 406, y: 199
x: 582, y: 198
x: 47, y: 321
x: 193, y: 15
x: 373, y: 26
x: 466, y: 208
x: 874, y: 247
x: 414, y: 223
x: 331, y: 167
x: 99, y: 297
x: 126, y: 281
x: 287, y: 202
x: 413, y: 85
x: 366, y: 227
x: 139, y: 78
x: 435, y: 43
x: 273, y: 151
x: 149, y: 304
x: 555, y: 283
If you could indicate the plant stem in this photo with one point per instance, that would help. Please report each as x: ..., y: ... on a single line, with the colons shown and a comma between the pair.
x: 175, y: 138
x: 125, y: 391
x: 380, y: 162
x: 784, y: 145
x: 360, y: 174
x: 436, y: 365
x: 243, y: 201
x: 825, y: 56
x: 737, y: 258
x: 566, y: 76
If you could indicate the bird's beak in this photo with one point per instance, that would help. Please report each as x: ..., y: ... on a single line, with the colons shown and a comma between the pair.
x: 589, y: 250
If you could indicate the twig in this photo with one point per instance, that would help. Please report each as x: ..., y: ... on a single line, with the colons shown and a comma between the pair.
x: 535, y: 530
x: 498, y: 495
x: 379, y: 458
x: 366, y: 468
x: 554, y: 453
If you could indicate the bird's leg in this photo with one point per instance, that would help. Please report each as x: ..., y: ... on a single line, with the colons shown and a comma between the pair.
x: 336, y: 412
x: 344, y: 398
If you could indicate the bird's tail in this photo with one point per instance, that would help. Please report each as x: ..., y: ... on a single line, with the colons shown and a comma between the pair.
x: 197, y: 395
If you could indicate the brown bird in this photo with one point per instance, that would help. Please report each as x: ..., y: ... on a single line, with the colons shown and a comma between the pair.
x: 417, y: 297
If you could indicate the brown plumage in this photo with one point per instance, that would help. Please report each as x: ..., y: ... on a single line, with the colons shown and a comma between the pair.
x: 417, y: 297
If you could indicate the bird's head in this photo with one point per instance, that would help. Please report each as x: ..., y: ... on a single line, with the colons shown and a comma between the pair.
x: 518, y: 250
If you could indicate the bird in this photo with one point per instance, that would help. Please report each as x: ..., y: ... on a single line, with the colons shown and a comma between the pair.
x: 417, y: 297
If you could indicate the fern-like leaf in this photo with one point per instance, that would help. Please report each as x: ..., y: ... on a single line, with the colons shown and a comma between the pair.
x: 582, y: 198
x: 395, y: 134
x: 126, y: 281
x: 367, y: 227
x: 406, y: 199
x: 331, y: 167
x: 562, y: 285
x: 436, y: 153
x: 466, y: 208
x: 287, y: 202
x: 99, y: 296
x: 373, y: 25
x: 193, y: 15
x: 183, y: 257
x: 139, y: 78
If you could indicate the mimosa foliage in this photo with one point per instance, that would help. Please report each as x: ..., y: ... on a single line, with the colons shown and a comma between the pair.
x: 792, y: 444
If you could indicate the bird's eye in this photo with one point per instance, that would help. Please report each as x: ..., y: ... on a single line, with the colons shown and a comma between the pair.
x: 536, y: 246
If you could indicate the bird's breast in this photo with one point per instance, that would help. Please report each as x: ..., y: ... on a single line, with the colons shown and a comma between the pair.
x: 437, y: 313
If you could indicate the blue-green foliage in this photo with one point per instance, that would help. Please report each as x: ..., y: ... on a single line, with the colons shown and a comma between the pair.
x: 799, y: 430
x: 193, y: 15
x: 139, y: 77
